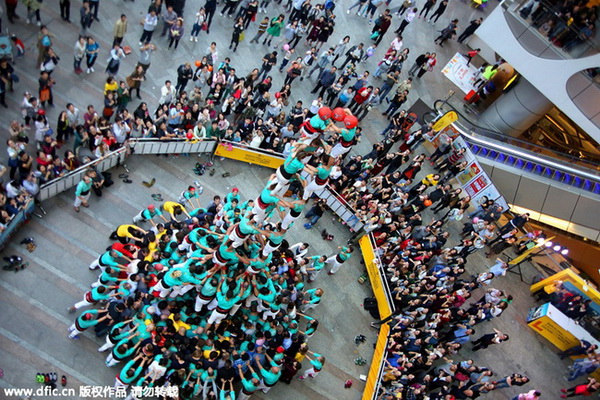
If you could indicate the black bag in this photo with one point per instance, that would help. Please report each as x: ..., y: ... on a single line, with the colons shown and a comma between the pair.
x: 370, y: 305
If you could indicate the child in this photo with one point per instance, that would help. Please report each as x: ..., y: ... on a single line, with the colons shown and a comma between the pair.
x: 19, y: 45
x: 370, y: 52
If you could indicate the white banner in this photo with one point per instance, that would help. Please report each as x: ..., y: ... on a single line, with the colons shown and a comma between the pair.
x: 459, y: 73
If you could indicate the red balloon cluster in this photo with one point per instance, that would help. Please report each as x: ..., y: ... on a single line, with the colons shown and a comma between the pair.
x: 325, y: 113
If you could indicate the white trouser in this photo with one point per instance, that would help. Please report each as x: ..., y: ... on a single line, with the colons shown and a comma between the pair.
x: 180, y: 290
x: 268, y: 249
x: 138, y: 217
x: 339, y: 150
x: 184, y: 246
x: 82, y: 303
x: 310, y: 373
x: 236, y: 239
x: 249, y: 300
x: 119, y: 384
x: 312, y: 275
x: 282, y: 183
x: 78, y: 200
x: 235, y: 309
x: 311, y: 188
x: 269, y: 313
x: 308, y: 306
x: 74, y: 331
x: 111, y: 361
x: 96, y: 264
x: 212, y: 304
x: 288, y: 220
x: 259, y: 213
x: 216, y: 261
x: 216, y: 317
x: 243, y: 396
x: 336, y: 264
x: 263, y: 387
x: 163, y: 291
x: 201, y: 303
x: 108, y: 345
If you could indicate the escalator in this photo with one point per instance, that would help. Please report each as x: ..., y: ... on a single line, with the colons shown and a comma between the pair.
x: 524, y: 156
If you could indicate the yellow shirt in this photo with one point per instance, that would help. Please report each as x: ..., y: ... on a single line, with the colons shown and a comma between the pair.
x: 123, y: 230
x: 169, y: 206
x: 110, y: 87
x: 179, y: 324
x: 429, y: 181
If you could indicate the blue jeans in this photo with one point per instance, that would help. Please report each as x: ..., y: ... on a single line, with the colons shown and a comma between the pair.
x: 312, y: 216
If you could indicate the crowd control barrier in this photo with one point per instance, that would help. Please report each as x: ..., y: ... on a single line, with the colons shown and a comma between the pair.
x: 171, y: 146
x: 386, y: 307
x: 19, y: 219
x: 71, y: 179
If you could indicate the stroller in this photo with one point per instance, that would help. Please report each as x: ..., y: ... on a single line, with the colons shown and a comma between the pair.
x: 408, y: 122
x: 6, y: 47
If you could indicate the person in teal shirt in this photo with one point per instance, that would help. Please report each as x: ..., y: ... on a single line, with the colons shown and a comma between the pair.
x: 294, y: 212
x: 249, y: 386
x: 147, y: 214
x: 318, y: 263
x: 130, y: 372
x: 269, y: 376
x: 339, y: 259
x: 311, y: 299
x: 317, y: 361
x: 265, y: 202
x: 86, y: 320
x: 188, y: 195
x: 82, y: 192
x: 290, y: 167
x: 233, y: 195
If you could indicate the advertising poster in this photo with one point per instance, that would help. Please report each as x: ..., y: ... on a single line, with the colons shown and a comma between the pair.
x: 469, y: 173
x: 459, y: 73
x: 477, y: 185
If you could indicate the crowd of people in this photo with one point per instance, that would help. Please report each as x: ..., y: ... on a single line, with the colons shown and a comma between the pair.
x: 206, y: 297
x: 566, y: 24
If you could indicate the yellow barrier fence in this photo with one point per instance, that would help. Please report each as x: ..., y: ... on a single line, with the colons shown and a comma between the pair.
x: 376, y: 369
x: 230, y: 150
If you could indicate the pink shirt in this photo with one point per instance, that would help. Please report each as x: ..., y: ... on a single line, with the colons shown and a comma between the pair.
x: 528, y: 396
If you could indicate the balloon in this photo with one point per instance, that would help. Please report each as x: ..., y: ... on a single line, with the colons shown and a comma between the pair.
x: 475, y: 220
x: 325, y: 113
x: 350, y: 121
x: 286, y: 47
x: 339, y: 114
x: 189, y: 135
x: 210, y: 68
x: 41, y: 112
x: 198, y: 63
x: 427, y: 203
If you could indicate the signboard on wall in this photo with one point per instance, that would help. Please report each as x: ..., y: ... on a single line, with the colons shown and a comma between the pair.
x: 459, y: 73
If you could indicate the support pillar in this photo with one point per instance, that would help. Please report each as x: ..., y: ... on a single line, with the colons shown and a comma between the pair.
x: 516, y: 110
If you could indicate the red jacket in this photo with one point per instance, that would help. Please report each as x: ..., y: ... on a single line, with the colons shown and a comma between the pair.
x: 362, y: 95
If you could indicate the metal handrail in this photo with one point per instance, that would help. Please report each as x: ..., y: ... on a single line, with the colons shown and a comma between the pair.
x: 555, y: 11
x: 593, y: 165
x: 486, y: 141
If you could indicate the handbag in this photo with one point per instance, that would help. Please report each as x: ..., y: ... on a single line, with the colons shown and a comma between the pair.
x: 204, y: 26
x: 15, y: 78
x: 242, y: 36
x: 49, y: 132
x: 375, y: 35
